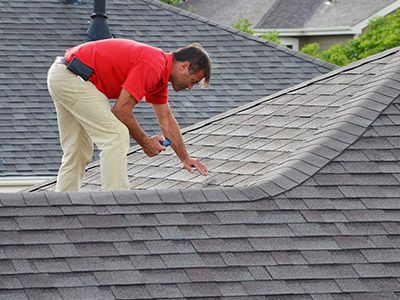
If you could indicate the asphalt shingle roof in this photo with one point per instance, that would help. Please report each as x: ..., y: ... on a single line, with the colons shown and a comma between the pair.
x: 324, y: 225
x: 34, y: 32
x: 288, y: 13
x: 228, y: 11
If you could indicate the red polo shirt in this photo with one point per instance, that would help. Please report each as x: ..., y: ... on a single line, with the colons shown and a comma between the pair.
x: 141, y: 69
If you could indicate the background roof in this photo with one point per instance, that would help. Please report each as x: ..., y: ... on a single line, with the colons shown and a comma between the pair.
x: 288, y: 13
x: 325, y: 225
x: 320, y: 13
x: 228, y: 11
x: 35, y: 32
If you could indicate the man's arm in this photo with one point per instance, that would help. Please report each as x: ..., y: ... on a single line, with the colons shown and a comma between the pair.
x: 123, y: 111
x: 171, y: 130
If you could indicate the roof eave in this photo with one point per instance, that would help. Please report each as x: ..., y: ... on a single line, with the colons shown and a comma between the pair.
x: 286, y: 32
x: 354, y: 29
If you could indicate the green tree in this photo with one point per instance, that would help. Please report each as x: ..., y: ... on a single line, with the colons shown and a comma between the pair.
x: 272, y: 36
x: 382, y: 33
x: 338, y: 54
x: 311, y: 49
x: 172, y: 2
x: 243, y: 24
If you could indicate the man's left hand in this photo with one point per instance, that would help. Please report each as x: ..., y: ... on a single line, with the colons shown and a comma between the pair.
x: 191, y: 163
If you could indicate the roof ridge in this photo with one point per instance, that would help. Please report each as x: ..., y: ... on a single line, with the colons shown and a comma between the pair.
x: 241, y: 33
x: 335, y: 135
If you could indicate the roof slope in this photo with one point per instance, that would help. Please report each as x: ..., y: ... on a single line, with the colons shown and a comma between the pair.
x: 320, y: 13
x: 333, y: 235
x: 34, y: 32
x: 277, y: 141
x: 226, y: 12
x: 346, y: 13
x: 288, y: 13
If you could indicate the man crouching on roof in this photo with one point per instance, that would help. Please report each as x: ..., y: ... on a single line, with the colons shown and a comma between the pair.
x: 81, y: 84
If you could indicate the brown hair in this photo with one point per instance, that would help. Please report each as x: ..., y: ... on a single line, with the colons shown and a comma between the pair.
x: 198, y: 59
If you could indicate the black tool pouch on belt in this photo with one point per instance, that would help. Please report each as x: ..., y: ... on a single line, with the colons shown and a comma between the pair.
x: 79, y: 68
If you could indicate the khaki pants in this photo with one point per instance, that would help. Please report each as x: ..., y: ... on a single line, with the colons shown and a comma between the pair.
x: 85, y: 117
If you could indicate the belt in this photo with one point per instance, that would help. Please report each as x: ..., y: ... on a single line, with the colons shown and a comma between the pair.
x: 76, y: 66
x: 61, y: 60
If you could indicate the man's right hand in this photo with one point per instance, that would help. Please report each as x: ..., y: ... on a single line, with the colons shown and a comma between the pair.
x: 152, y: 146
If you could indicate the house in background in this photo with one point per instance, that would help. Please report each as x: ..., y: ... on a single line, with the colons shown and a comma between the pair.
x: 302, y: 203
x: 35, y: 32
x: 298, y: 23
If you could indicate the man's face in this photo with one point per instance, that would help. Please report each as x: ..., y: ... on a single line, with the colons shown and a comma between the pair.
x: 184, y: 80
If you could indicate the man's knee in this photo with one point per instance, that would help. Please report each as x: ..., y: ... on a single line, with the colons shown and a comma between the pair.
x: 120, y: 138
x: 124, y: 135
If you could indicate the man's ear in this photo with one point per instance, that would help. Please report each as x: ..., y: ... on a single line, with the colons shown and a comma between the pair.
x: 186, y: 64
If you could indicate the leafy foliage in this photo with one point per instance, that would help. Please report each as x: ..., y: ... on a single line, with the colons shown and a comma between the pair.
x: 172, y: 2
x: 382, y: 33
x: 243, y: 24
x: 272, y: 36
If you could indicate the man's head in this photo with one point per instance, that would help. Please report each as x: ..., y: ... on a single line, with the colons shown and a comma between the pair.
x: 191, y: 65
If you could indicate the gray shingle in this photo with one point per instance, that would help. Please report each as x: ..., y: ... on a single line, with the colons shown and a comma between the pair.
x: 37, y: 199
x: 131, y: 248
x: 86, y: 292
x: 271, y: 288
x: 182, y: 232
x: 103, y: 198
x: 371, y: 285
x: 51, y: 265
x: 320, y: 286
x: 119, y: 277
x: 126, y: 292
x: 8, y: 199
x: 200, y: 289
x: 334, y: 257
x: 98, y: 221
x: 271, y: 244
x: 97, y: 235
x: 147, y: 262
x: 244, y: 259
x: 58, y: 198
x: 158, y: 291
x: 380, y: 270
x: 221, y: 245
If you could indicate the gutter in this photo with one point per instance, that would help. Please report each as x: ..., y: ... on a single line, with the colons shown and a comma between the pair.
x: 20, y: 183
x: 340, y: 30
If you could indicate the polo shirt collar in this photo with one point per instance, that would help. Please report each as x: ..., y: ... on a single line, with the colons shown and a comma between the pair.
x: 170, y: 58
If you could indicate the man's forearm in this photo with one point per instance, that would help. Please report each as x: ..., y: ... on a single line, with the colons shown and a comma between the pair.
x: 135, y: 131
x: 173, y: 133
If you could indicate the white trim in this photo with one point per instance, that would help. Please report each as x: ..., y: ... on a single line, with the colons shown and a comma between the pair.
x: 290, y: 41
x: 20, y: 183
x: 342, y: 30
x: 357, y: 29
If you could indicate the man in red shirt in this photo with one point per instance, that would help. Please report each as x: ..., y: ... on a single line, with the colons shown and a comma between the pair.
x: 81, y: 84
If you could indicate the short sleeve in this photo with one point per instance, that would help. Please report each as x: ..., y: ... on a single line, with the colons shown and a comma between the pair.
x: 141, y: 80
x: 159, y: 96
